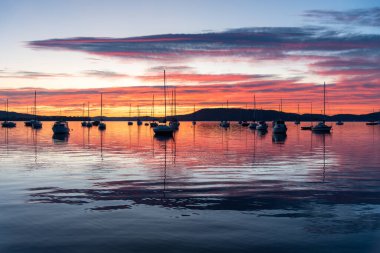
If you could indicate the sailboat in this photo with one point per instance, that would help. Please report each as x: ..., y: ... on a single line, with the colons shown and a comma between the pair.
x: 372, y: 122
x: 297, y: 121
x: 253, y: 124
x: 153, y: 123
x: 6, y: 123
x: 262, y: 126
x: 139, y: 122
x: 89, y: 123
x: 102, y: 125
x: 163, y: 129
x: 225, y: 123
x: 130, y: 123
x: 311, y: 123
x: 245, y: 123
x: 279, y: 126
x: 28, y: 123
x: 339, y: 122
x: 36, y: 124
x: 84, y: 123
x: 174, y: 123
x: 194, y: 121
x: 321, y: 127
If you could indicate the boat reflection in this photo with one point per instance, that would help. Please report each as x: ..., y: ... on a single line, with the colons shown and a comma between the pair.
x: 279, y: 138
x: 60, y: 138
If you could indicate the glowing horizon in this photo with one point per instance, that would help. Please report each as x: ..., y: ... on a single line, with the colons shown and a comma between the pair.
x: 286, y: 58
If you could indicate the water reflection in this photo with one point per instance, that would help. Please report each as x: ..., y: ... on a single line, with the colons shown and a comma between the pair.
x: 60, y: 138
x: 203, y: 168
x: 279, y: 138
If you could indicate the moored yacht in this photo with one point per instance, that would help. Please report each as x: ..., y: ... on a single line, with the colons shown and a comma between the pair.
x: 262, y: 126
x: 321, y: 127
x: 88, y: 123
x: 253, y: 124
x: 279, y: 127
x: 101, y: 125
x: 61, y: 127
x: 36, y: 124
x: 7, y: 123
x: 163, y: 129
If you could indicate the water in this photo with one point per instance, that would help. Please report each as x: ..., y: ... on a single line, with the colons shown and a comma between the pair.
x: 206, y: 190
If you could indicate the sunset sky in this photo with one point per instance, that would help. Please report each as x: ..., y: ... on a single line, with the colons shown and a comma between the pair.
x: 213, y: 51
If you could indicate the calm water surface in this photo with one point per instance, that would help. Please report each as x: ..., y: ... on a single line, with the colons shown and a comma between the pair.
x: 206, y: 190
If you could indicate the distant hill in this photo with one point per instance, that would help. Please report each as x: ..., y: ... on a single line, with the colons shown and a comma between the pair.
x: 215, y: 114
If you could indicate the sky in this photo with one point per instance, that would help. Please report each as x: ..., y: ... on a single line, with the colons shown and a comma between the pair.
x: 212, y: 51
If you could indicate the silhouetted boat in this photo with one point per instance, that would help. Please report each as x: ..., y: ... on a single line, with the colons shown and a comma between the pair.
x: 61, y: 127
x: 101, y: 125
x: 84, y: 123
x: 36, y: 124
x: 130, y: 123
x: 153, y: 123
x: 298, y: 121
x: 321, y: 127
x: 194, y: 121
x: 339, y: 123
x: 372, y: 122
x: 262, y: 126
x: 253, y: 124
x: 138, y: 122
x: 279, y: 126
x: 95, y: 123
x: 6, y: 123
x: 225, y: 123
x: 163, y: 129
x: 88, y: 123
x: 311, y: 123
x: 174, y: 123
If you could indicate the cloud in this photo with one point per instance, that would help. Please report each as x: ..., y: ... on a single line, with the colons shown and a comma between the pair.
x: 259, y: 43
x: 104, y: 74
x: 361, y: 17
x: 31, y: 74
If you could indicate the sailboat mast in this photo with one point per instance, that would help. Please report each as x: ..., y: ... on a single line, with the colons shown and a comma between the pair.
x: 101, y: 106
x: 6, y: 109
x: 153, y: 108
x: 254, y: 107
x: 88, y: 111
x: 165, y: 94
x: 324, y: 100
x: 35, y: 105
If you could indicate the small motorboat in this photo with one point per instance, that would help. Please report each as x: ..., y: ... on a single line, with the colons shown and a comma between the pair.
x: 306, y: 127
x: 262, y: 126
x: 279, y: 127
x: 245, y: 124
x: 102, y: 126
x: 61, y: 127
x: 224, y: 123
x: 253, y: 125
x: 153, y: 124
x: 36, y: 124
x: 8, y: 124
x: 163, y: 130
x: 96, y: 123
x: 339, y: 123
